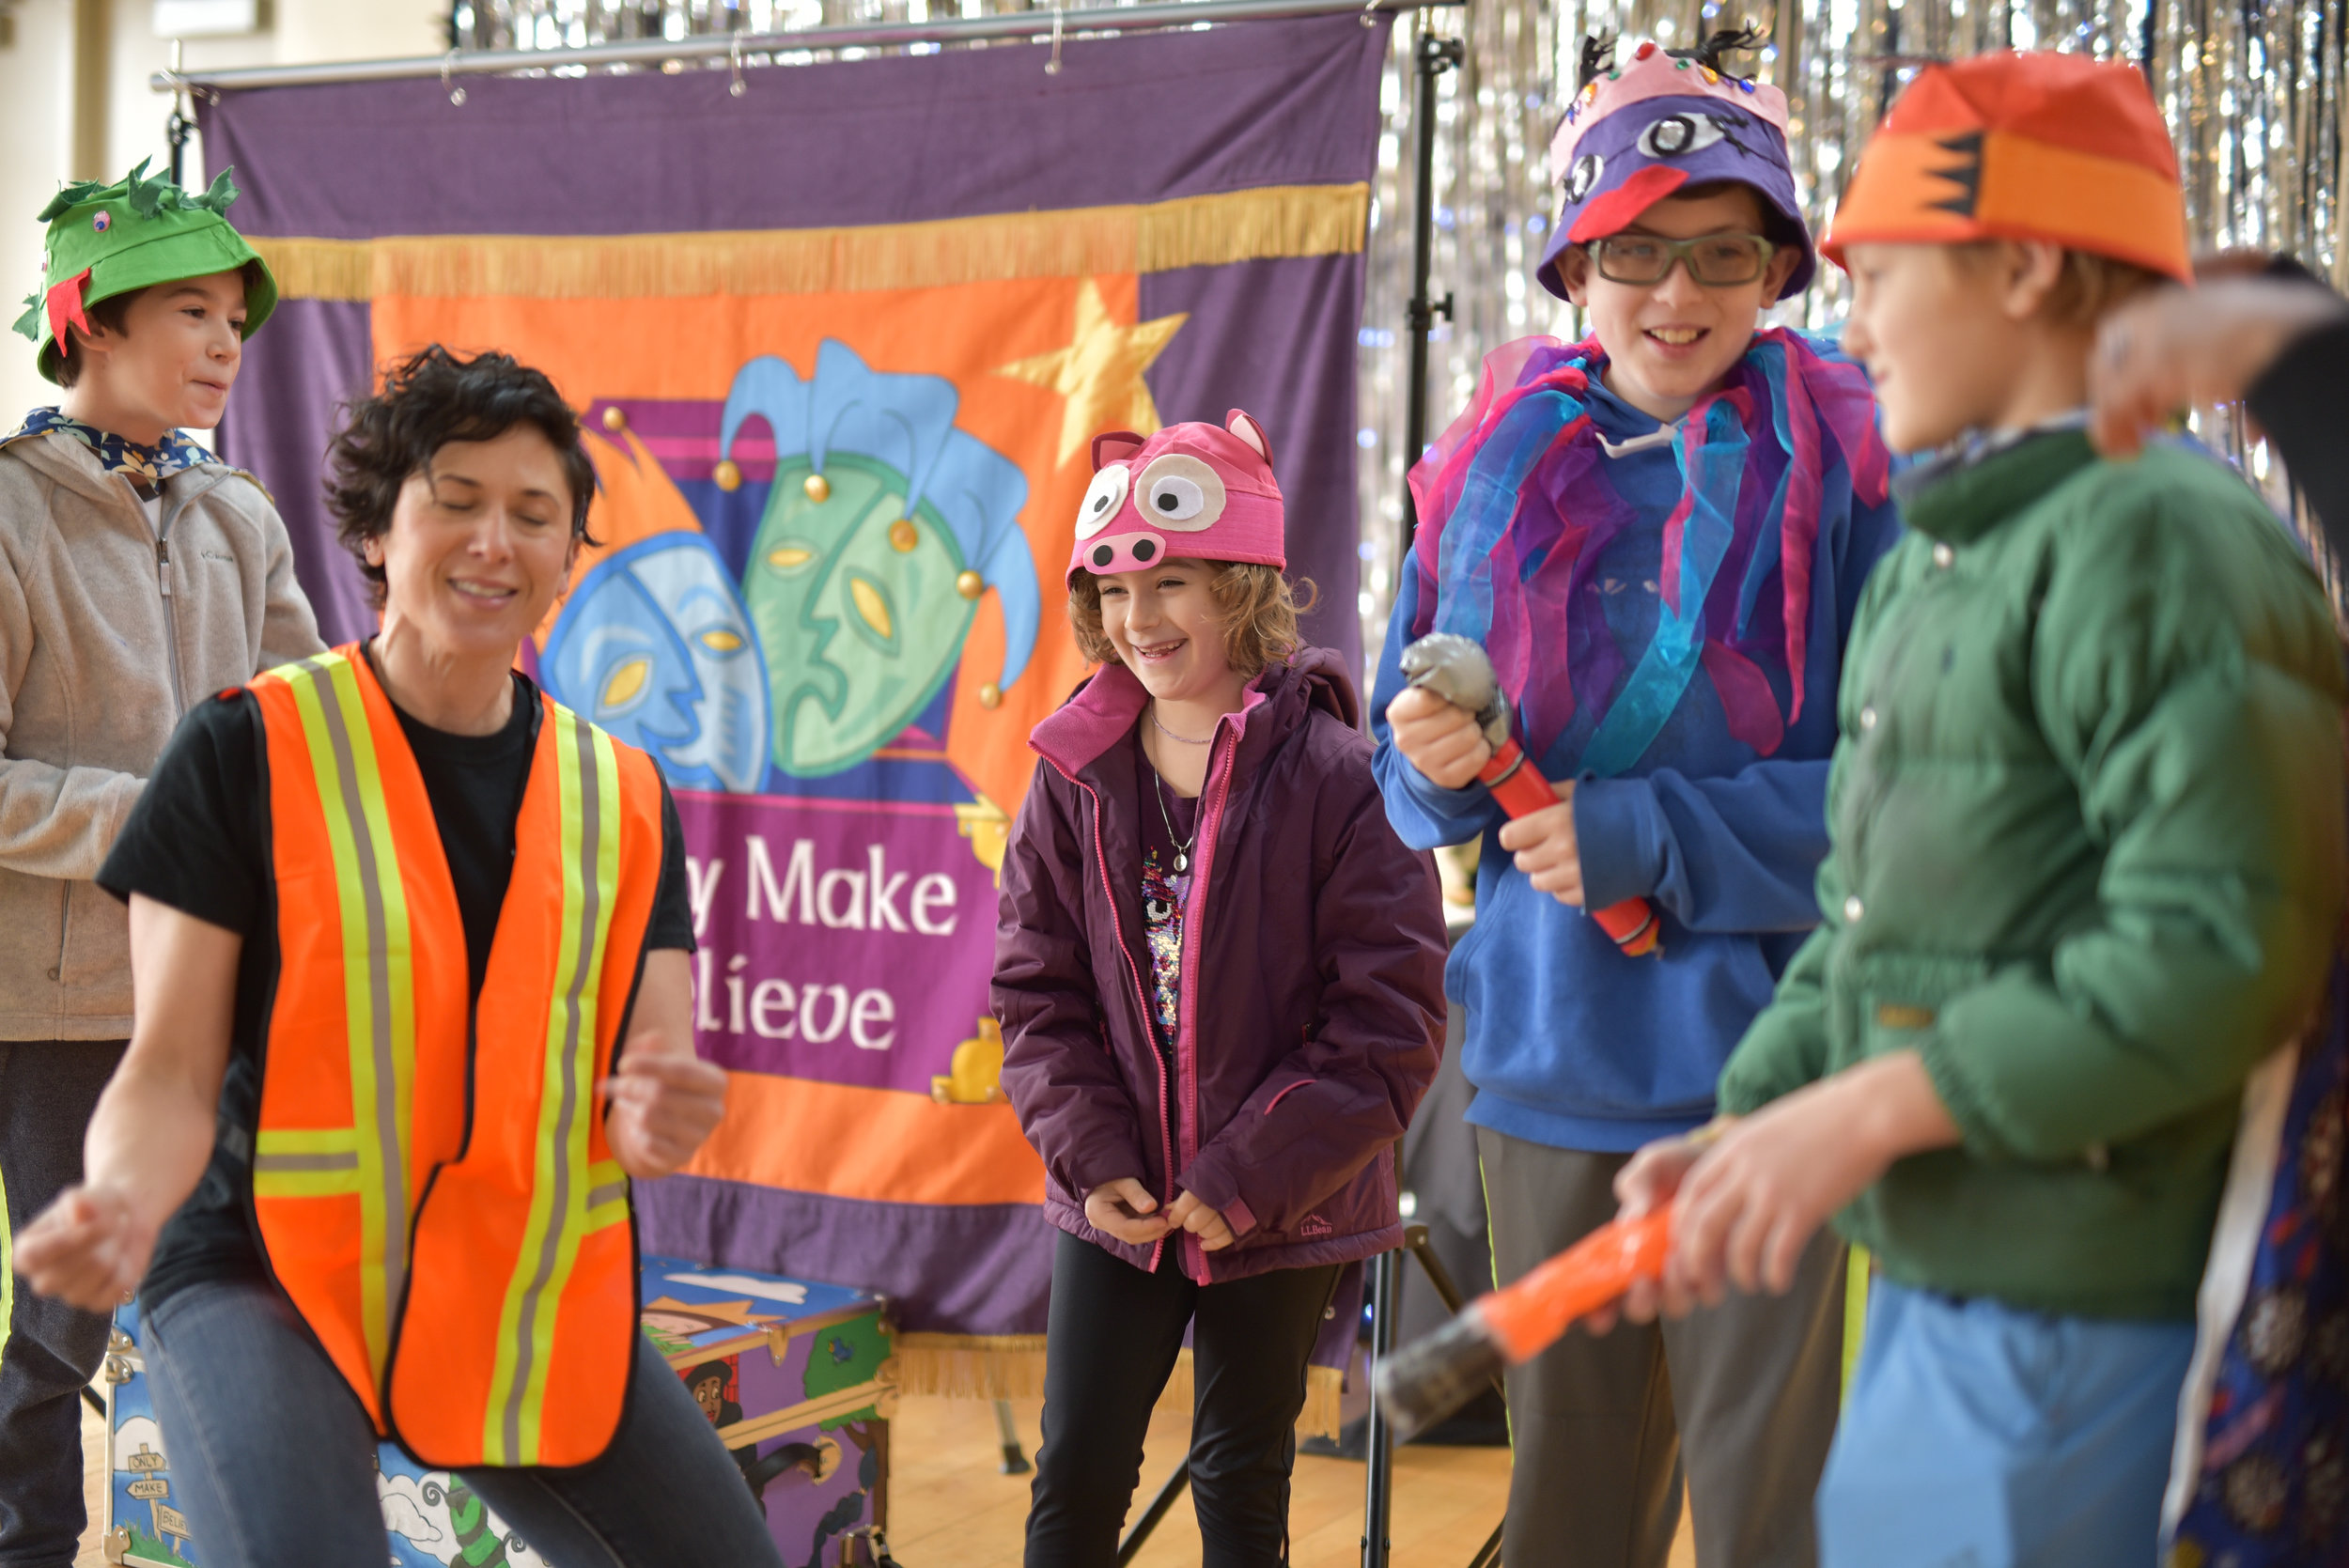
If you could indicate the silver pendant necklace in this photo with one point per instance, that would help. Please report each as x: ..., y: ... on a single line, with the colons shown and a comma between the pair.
x: 1182, y: 847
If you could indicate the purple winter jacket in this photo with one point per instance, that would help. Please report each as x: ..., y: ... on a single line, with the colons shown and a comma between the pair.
x: 1312, y: 1006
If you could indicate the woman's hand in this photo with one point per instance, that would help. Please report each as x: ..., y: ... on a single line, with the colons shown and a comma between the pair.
x: 1125, y: 1209
x: 663, y: 1105
x: 1547, y: 850
x: 665, y: 1100
x: 89, y: 1248
x: 1751, y: 1204
x: 1439, y: 738
x: 2176, y: 347
x: 1188, y: 1212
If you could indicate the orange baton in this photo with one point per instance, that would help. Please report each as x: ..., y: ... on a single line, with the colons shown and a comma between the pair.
x: 1423, y: 1383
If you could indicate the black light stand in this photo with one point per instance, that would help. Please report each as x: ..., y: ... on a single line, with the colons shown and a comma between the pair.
x: 1415, y: 1238
x: 179, y: 127
x: 1386, y: 1281
x: 1431, y: 57
x: 176, y: 129
x: 1173, y: 1489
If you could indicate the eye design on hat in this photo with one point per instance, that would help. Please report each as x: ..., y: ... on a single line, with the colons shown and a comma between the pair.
x: 1103, y: 498
x: 1181, y: 492
x: 102, y: 220
x: 1584, y: 176
x: 1678, y: 135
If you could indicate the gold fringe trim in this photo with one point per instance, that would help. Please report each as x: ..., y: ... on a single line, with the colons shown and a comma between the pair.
x: 1270, y: 222
x: 972, y: 1366
x: 1011, y: 1366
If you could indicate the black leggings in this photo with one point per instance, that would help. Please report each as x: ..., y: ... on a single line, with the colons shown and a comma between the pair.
x: 1113, y: 1335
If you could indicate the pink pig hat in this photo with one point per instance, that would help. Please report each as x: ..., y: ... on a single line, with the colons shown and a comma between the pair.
x: 1191, y: 490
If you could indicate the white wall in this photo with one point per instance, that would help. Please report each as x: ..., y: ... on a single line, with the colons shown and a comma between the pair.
x: 37, y: 115
x: 35, y: 128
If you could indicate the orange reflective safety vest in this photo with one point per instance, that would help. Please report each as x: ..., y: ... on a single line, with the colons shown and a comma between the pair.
x: 431, y: 1180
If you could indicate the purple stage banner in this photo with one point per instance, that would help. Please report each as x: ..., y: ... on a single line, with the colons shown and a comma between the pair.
x: 840, y: 343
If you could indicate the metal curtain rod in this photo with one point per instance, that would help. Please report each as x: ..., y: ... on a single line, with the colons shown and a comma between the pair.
x: 708, y: 46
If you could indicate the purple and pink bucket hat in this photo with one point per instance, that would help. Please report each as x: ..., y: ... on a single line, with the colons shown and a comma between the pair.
x: 1637, y: 133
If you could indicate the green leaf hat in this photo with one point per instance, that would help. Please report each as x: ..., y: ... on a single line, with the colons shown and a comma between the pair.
x: 140, y: 231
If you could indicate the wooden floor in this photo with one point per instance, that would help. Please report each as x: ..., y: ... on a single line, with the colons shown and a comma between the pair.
x: 949, y: 1507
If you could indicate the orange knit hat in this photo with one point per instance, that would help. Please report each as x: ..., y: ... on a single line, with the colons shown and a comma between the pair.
x: 2022, y: 147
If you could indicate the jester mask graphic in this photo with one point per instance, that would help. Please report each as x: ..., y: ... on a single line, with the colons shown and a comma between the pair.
x: 657, y: 648
x: 885, y: 525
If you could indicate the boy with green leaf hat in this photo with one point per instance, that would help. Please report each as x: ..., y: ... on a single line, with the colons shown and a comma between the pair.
x: 138, y: 575
x: 106, y: 240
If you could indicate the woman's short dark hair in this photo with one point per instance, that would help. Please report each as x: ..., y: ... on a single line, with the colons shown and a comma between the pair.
x: 429, y: 400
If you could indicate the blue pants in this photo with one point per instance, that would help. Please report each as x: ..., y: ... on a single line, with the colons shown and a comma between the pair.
x: 1981, y: 1437
x: 275, y: 1460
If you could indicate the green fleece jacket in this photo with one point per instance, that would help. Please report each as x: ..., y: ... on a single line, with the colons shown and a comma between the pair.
x: 2087, y: 828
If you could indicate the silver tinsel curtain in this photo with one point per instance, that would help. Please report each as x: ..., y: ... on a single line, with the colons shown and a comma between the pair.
x: 2254, y: 91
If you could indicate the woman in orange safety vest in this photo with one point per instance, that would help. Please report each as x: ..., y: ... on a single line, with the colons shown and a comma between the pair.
x: 411, y: 944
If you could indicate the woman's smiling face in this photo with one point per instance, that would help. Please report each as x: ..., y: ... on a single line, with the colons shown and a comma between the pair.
x: 479, y: 545
x: 1167, y: 628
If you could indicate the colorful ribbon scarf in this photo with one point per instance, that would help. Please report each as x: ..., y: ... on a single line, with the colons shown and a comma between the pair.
x: 1514, y: 512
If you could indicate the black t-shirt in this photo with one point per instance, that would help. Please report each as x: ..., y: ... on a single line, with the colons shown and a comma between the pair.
x: 198, y: 840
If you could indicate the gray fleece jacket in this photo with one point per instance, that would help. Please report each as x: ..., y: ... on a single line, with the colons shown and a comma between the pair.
x: 112, y: 623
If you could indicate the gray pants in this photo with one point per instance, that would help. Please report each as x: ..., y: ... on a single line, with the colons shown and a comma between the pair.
x: 48, y: 1350
x: 1742, y: 1398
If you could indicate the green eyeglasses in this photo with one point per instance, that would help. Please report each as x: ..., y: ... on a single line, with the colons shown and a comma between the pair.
x: 1715, y: 261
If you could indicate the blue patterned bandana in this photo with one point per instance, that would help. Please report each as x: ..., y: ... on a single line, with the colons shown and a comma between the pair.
x: 146, y: 467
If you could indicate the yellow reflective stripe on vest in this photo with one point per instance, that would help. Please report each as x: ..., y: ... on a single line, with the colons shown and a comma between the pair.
x: 607, y: 1195
x: 588, y: 775
x: 379, y: 981
x: 301, y: 1163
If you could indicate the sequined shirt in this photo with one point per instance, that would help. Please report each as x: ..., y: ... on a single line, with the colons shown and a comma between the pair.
x: 1169, y: 824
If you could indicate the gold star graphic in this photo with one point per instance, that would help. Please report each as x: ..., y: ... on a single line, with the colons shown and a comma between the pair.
x: 1099, y: 373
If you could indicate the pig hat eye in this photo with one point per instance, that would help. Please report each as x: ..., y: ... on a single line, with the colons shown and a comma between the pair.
x: 1103, y: 498
x: 1181, y: 492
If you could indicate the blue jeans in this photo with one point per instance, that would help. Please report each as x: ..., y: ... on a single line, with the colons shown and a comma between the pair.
x: 274, y: 1459
x: 1981, y: 1437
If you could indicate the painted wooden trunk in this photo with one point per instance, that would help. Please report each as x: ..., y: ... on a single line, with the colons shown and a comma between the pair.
x: 797, y: 1378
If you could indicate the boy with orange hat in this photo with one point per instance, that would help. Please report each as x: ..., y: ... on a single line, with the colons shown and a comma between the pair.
x: 2086, y: 825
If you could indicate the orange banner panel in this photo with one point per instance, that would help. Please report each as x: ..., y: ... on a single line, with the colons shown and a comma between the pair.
x: 879, y: 1145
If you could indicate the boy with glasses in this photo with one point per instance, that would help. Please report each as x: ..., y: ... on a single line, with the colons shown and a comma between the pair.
x: 1659, y: 535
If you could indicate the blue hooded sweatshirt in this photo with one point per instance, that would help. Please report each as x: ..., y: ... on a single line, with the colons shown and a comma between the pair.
x: 1570, y: 1043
